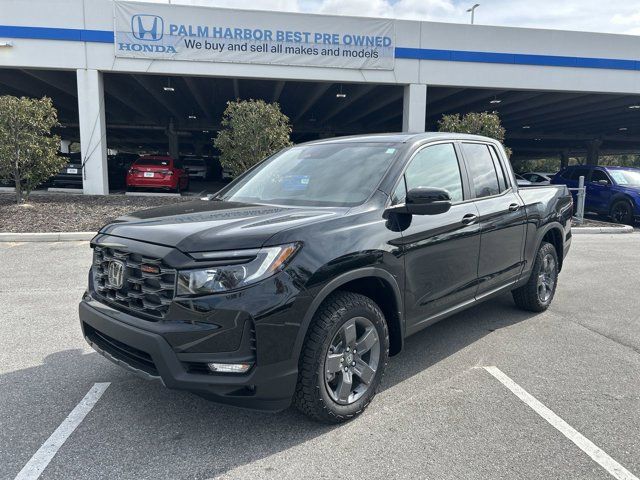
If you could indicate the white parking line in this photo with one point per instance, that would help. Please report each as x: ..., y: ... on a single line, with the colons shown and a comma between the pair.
x: 583, y: 443
x: 46, y: 452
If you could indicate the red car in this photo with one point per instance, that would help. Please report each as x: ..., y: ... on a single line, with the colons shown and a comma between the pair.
x: 155, y: 171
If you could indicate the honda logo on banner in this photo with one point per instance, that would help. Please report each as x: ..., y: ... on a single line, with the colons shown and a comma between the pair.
x: 147, y: 27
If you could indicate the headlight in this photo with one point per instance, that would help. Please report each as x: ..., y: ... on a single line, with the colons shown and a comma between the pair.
x: 259, y: 265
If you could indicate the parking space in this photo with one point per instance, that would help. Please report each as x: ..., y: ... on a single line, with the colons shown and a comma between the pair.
x: 439, y: 415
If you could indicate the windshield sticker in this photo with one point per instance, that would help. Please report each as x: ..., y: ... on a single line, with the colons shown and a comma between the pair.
x: 292, y: 183
x: 391, y: 150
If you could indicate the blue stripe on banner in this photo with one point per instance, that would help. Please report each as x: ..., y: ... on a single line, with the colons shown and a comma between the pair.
x: 516, y: 59
x: 106, y: 36
x: 47, y: 33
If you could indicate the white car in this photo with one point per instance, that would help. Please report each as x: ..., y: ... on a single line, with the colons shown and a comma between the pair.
x: 543, y: 178
x: 197, y: 166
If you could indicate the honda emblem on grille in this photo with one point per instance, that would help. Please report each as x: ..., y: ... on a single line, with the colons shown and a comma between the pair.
x: 116, y: 273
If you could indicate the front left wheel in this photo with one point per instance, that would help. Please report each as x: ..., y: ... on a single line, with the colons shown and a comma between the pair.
x: 343, y: 358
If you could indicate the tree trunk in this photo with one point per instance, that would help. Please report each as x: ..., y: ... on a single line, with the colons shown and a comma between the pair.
x: 18, y: 182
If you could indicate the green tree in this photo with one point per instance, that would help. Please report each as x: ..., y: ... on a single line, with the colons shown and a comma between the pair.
x: 251, y: 131
x: 28, y: 150
x: 486, y: 123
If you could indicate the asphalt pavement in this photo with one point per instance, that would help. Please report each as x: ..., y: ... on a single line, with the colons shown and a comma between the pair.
x: 439, y: 415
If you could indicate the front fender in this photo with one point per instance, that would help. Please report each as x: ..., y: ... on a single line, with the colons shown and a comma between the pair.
x: 334, y: 284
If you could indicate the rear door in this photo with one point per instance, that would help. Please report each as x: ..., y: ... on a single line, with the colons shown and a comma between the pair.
x: 440, y: 251
x: 502, y: 217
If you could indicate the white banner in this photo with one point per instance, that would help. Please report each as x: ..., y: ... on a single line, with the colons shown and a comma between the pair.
x: 177, y: 32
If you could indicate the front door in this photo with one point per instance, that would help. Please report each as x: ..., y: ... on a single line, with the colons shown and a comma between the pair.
x: 440, y: 251
x: 598, y: 192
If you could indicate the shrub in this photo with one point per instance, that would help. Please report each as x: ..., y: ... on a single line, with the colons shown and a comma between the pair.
x: 28, y: 150
x: 486, y: 123
x: 251, y: 131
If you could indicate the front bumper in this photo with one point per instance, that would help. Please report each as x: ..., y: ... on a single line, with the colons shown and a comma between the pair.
x: 141, y: 347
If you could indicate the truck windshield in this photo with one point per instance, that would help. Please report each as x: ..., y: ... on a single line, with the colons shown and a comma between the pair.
x: 332, y: 174
x: 626, y: 177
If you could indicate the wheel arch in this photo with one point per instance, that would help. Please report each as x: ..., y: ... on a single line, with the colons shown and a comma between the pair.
x: 553, y: 233
x: 376, y: 283
x: 620, y: 196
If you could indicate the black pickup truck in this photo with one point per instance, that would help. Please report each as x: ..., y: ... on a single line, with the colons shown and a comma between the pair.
x: 297, y: 281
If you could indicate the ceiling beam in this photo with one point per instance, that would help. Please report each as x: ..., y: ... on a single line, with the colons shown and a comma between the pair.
x: 319, y: 90
x: 154, y: 92
x: 382, y: 101
x: 345, y: 102
x: 197, y: 95
x: 236, y: 89
x: 277, y: 90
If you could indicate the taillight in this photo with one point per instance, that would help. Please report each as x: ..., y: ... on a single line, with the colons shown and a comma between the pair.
x: 133, y: 171
x: 166, y: 172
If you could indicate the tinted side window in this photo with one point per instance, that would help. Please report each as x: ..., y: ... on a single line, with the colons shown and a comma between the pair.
x: 578, y: 172
x: 502, y: 175
x: 599, y: 175
x: 434, y: 166
x: 482, y: 169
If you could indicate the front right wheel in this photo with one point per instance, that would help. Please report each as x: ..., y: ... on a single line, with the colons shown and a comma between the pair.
x: 343, y: 358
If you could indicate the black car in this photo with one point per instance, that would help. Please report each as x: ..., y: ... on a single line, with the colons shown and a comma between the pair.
x: 70, y: 176
x: 297, y: 281
x: 119, y: 165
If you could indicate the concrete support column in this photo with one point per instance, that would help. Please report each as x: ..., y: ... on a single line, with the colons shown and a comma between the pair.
x: 593, y: 151
x: 564, y: 159
x: 414, y: 108
x: 64, y: 146
x: 93, y: 132
x: 174, y: 144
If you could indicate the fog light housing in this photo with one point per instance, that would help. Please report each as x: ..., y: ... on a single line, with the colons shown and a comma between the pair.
x: 229, y: 367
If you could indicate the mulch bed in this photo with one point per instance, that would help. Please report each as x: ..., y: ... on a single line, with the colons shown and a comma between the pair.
x: 71, y: 213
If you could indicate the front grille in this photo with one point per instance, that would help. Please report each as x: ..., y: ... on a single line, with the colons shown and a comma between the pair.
x: 125, y: 353
x: 149, y: 292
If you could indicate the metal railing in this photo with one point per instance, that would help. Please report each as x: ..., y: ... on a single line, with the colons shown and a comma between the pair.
x: 582, y: 193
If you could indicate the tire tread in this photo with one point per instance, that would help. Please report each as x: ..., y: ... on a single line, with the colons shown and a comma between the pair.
x: 307, y: 396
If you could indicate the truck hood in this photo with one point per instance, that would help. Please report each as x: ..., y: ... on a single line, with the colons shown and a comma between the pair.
x: 213, y: 225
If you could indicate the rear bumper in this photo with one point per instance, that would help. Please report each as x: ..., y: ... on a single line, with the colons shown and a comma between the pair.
x: 64, y: 179
x: 145, y: 352
x: 168, y: 183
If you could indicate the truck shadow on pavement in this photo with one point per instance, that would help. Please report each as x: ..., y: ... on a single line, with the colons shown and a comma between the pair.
x: 140, y: 429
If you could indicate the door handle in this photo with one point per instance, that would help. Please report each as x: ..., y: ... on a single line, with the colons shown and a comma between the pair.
x: 469, y: 219
x: 513, y: 207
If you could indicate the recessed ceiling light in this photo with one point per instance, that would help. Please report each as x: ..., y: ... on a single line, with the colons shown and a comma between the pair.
x: 341, y: 95
x: 495, y: 101
x: 538, y: 139
x: 623, y: 129
x: 192, y: 117
x: 205, y: 131
x: 169, y: 89
x: 634, y: 107
x: 526, y: 127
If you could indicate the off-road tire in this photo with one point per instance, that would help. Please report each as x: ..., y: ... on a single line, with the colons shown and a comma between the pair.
x: 311, y: 396
x: 527, y: 297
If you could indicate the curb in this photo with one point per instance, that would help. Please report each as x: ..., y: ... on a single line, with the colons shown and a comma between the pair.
x: 47, y: 237
x: 585, y: 230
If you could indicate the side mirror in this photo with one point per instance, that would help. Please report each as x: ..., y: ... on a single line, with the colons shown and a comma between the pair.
x: 603, y: 182
x: 423, y: 201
